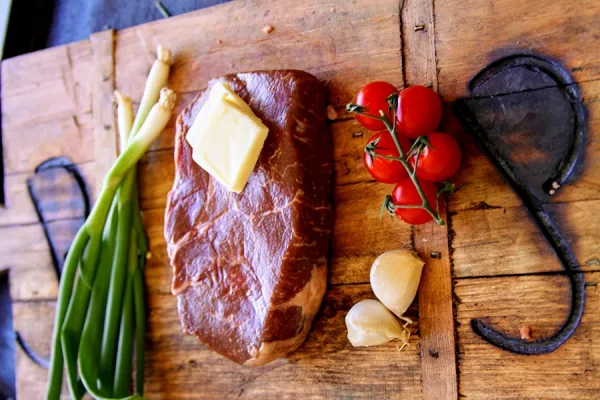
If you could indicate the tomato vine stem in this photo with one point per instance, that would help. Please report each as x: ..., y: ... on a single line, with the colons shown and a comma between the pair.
x: 403, y: 158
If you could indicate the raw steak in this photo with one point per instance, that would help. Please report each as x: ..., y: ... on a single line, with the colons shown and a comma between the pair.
x: 250, y: 269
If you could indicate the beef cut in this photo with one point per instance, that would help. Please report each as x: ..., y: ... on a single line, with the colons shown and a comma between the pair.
x: 250, y: 269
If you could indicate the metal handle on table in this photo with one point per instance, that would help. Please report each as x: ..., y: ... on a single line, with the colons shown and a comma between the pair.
x: 540, y: 216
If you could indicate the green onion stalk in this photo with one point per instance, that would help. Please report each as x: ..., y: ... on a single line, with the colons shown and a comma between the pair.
x: 100, y: 307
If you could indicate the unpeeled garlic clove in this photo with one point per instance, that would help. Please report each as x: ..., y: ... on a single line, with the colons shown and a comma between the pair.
x: 369, y: 323
x: 395, y: 277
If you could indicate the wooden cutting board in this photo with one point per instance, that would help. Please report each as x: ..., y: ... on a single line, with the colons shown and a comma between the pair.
x: 495, y: 265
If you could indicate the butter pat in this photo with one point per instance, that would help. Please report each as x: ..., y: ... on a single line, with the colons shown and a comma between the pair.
x: 218, y: 92
x: 227, y: 138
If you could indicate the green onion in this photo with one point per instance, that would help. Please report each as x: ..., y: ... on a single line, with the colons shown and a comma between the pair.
x: 140, y: 328
x: 101, y: 299
x: 157, y: 79
x: 115, y: 291
x: 70, y: 335
x: 91, y: 339
x: 65, y: 289
x: 125, y: 350
x: 124, y: 118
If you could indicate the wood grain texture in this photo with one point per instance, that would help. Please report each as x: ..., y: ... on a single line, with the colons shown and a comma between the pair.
x: 34, y: 321
x: 31, y: 275
x: 487, y: 217
x: 436, y: 317
x: 48, y: 114
x: 438, y: 358
x: 47, y: 107
x: 178, y: 366
x: 30, y: 238
x: 482, y: 237
x: 19, y: 209
x: 343, y: 43
x: 325, y: 366
x: 24, y: 238
x: 418, y: 43
x: 508, y: 303
x: 470, y: 34
x: 103, y: 86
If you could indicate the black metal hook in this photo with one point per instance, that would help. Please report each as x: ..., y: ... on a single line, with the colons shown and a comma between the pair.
x: 71, y: 168
x: 565, y: 169
x: 67, y: 164
x: 57, y: 259
x: 561, y: 78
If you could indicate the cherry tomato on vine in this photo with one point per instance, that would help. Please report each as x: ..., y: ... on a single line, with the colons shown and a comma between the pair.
x: 419, y: 111
x: 386, y: 171
x: 450, y: 124
x: 440, y: 162
x: 406, y: 193
x: 373, y: 96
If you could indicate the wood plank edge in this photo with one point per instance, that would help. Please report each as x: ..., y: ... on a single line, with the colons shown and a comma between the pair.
x: 439, y: 367
x: 103, y: 84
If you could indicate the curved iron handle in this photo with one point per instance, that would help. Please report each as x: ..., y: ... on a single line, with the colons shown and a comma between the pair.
x: 577, y: 283
x: 69, y: 166
x: 563, y: 80
x: 39, y: 360
x: 539, y: 215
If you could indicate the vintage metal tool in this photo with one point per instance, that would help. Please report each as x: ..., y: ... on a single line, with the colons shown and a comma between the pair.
x: 541, y: 91
x: 56, y: 185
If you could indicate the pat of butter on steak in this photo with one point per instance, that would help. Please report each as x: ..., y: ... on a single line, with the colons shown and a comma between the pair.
x: 250, y: 269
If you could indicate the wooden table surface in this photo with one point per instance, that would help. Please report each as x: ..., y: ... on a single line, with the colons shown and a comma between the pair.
x: 495, y: 264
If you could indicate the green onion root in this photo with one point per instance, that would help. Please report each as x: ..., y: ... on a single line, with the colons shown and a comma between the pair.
x: 124, y: 118
x: 157, y: 79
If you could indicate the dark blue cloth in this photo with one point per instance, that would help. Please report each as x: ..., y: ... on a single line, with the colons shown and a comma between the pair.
x: 75, y: 20
x: 7, y: 343
x: 37, y: 24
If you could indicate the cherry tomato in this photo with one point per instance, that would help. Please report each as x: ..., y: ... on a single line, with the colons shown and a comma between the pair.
x: 373, y: 96
x: 386, y: 171
x: 406, y: 193
x: 419, y: 111
x: 441, y: 162
x: 450, y: 124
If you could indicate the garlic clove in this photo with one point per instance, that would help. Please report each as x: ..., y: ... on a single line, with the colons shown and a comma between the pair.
x: 395, y: 277
x: 369, y: 323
